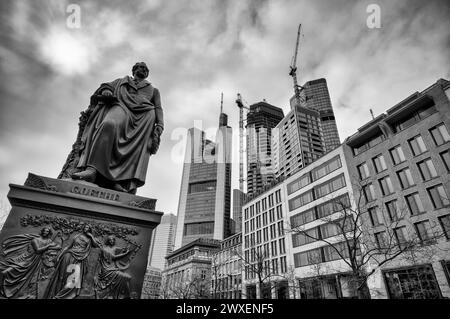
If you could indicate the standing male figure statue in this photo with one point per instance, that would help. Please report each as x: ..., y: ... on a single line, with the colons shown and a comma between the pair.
x: 122, y: 130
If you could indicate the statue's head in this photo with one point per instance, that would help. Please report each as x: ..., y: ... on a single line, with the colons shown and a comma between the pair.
x: 46, y: 232
x: 87, y: 229
x: 111, y: 241
x: 140, y: 70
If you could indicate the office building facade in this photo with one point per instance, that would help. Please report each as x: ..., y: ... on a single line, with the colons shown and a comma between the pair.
x: 205, y: 194
x: 226, y: 269
x: 315, y: 196
x: 297, y: 141
x: 261, y: 119
x: 238, y: 201
x: 188, y: 271
x: 265, y: 251
x: 317, y: 97
x: 163, y: 241
x: 401, y: 159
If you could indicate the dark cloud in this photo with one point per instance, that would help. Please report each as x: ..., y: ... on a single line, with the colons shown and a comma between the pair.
x: 197, y: 49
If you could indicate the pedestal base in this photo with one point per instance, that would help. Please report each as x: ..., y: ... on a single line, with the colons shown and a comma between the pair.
x: 64, y: 239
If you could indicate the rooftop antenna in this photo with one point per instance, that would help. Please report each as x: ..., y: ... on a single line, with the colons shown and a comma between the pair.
x: 221, y: 103
x: 371, y: 113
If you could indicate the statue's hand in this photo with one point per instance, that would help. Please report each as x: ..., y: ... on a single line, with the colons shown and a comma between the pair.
x: 107, y: 93
x: 158, y: 130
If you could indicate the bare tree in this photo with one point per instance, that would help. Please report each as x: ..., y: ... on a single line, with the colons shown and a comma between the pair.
x: 348, y: 232
x: 257, y: 263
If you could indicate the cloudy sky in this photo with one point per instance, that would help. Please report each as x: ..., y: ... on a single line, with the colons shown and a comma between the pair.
x: 197, y: 49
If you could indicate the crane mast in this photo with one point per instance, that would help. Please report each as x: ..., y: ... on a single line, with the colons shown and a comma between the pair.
x: 293, y: 67
x: 241, y: 107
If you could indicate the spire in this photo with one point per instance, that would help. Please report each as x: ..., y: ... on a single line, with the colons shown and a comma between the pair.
x: 223, y: 118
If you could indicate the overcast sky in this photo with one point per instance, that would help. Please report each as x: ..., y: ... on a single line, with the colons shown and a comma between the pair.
x: 197, y: 49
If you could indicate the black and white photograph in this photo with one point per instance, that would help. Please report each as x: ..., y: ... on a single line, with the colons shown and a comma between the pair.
x: 225, y: 157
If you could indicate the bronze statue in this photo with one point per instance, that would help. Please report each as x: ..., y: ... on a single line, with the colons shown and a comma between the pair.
x: 118, y: 133
x: 112, y: 281
x: 26, y: 256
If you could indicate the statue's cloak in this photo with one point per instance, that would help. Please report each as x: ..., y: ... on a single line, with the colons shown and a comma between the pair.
x: 117, y: 135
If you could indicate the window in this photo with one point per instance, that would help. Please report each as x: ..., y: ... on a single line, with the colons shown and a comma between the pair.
x: 202, y: 187
x: 303, y: 218
x: 279, y: 212
x: 283, y: 265
x: 424, y: 230
x: 445, y: 223
x: 397, y: 155
x: 273, y: 233
x: 401, y: 235
x: 270, y: 200
x: 299, y: 183
x: 264, y: 204
x: 440, y: 134
x: 265, y: 219
x: 386, y: 185
x: 271, y: 215
x: 445, y: 156
x: 329, y: 187
x: 326, y: 168
x: 309, y: 236
x: 280, y: 229
x: 438, y: 196
x: 258, y: 222
x: 301, y: 200
x: 363, y: 170
x: 394, y: 213
x: 414, y: 204
x: 374, y: 140
x: 427, y: 169
x: 273, y: 245
x: 412, y: 283
x: 198, y: 229
x: 417, y: 145
x: 266, y: 233
x: 381, y: 239
x: 282, y: 246
x: 278, y: 196
x: 369, y: 192
x: 380, y: 163
x: 405, y: 177
x: 376, y: 216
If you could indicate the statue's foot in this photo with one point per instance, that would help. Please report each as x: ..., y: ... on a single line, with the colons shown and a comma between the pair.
x: 87, y: 175
x: 119, y: 188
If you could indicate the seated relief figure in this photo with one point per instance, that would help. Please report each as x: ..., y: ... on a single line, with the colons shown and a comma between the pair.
x: 118, y: 133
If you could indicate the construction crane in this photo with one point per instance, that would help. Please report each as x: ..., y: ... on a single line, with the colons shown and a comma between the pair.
x: 293, y: 67
x: 241, y: 107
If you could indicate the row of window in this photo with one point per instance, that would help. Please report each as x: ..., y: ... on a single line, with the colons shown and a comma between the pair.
x: 269, y: 249
x: 199, y: 228
x: 317, y: 192
x: 426, y: 167
x: 249, y: 212
x: 262, y: 235
x: 321, y: 254
x: 438, y: 196
x: 322, y: 232
x: 255, y: 222
x: 315, y: 174
x: 423, y: 231
x: 320, y: 211
x: 267, y: 268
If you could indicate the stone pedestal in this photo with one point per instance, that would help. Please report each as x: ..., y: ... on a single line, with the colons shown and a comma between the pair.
x: 67, y: 239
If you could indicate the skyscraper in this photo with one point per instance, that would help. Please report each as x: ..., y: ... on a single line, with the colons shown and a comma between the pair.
x: 318, y: 98
x: 163, y: 241
x: 238, y: 201
x: 261, y: 119
x: 205, y: 194
x: 297, y: 141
